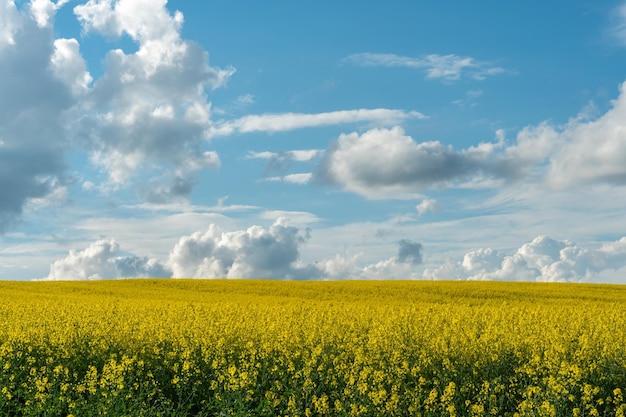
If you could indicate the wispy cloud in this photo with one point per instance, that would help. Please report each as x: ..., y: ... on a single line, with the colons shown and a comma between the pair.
x: 444, y: 67
x: 279, y: 163
x: 185, y: 207
x: 240, y: 104
x: 245, y: 100
x: 294, y: 217
x: 618, y: 27
x: 470, y: 99
x: 303, y: 155
x: 300, y: 178
x: 282, y: 122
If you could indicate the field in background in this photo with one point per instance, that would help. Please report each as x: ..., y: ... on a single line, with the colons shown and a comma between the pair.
x: 265, y: 348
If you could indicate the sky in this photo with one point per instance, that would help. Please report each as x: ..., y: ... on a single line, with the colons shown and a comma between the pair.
x: 323, y: 140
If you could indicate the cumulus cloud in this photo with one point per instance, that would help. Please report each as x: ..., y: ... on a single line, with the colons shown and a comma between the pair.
x: 33, y: 106
x: 255, y: 252
x: 543, y: 259
x: 9, y: 22
x: 383, y: 163
x: 274, y: 252
x: 100, y: 260
x: 444, y: 67
x: 143, y: 121
x: 591, y: 151
x: 282, y: 122
x: 70, y: 67
x: 148, y: 112
x: 44, y: 10
x: 252, y: 253
x: 387, y: 163
x: 585, y: 150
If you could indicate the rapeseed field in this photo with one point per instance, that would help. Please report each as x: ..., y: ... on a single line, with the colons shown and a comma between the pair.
x: 268, y: 348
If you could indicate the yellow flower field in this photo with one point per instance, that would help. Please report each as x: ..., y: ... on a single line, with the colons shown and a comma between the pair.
x: 266, y: 348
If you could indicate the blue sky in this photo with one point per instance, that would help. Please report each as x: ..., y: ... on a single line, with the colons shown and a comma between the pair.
x: 393, y: 140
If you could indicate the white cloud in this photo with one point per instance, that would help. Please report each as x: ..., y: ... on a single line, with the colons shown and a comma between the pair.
x: 427, y: 205
x: 303, y: 155
x: 101, y: 261
x: 186, y: 207
x: 276, y: 252
x: 384, y: 163
x: 340, y: 267
x: 146, y: 116
x: 261, y: 155
x: 252, y: 253
x: 445, y: 67
x: 143, y: 121
x: 282, y: 122
x: 300, y: 178
x: 43, y: 11
x: 592, y: 151
x: 142, y: 20
x: 583, y: 151
x: 543, y: 259
x: 69, y: 66
x: 10, y: 20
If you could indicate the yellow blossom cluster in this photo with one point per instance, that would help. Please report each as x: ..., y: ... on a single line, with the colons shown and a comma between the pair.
x: 271, y: 348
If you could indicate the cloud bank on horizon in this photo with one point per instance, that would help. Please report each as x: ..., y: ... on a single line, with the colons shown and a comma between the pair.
x: 118, y: 129
x: 274, y: 253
